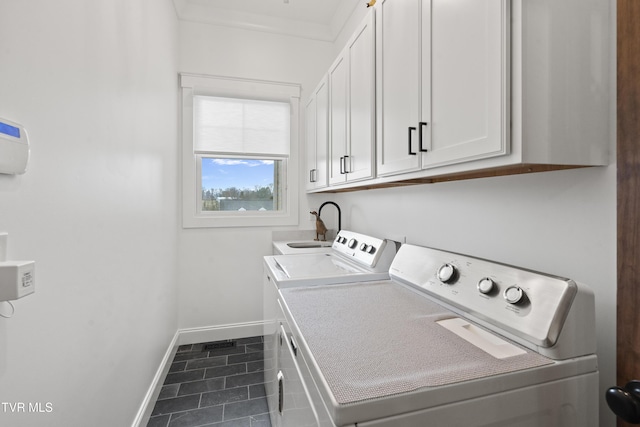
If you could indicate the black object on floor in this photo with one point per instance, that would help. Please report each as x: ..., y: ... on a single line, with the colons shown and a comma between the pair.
x: 214, y: 384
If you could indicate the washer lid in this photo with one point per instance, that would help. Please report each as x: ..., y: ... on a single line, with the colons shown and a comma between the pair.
x: 316, y: 269
x: 316, y: 265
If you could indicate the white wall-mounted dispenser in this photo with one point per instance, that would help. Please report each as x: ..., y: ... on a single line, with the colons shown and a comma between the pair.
x: 14, y: 147
x: 17, y: 279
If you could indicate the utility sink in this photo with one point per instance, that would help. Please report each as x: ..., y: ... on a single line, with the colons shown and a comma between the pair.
x: 307, y: 245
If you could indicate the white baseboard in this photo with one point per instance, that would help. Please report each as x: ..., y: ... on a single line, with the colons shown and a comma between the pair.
x: 219, y: 333
x: 144, y: 413
x: 190, y: 336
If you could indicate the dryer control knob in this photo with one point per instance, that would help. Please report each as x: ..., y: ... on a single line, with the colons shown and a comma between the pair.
x: 371, y: 249
x: 447, y: 273
x: 363, y: 247
x: 513, y: 294
x: 352, y: 243
x: 486, y: 285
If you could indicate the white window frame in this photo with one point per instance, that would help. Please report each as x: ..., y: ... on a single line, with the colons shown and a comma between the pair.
x: 192, y: 214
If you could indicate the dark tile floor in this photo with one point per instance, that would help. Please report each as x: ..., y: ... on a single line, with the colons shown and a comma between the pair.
x: 213, y: 384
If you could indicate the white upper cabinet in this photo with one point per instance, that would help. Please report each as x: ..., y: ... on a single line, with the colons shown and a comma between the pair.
x: 471, y: 88
x: 352, y: 107
x: 317, y: 128
x: 442, y: 79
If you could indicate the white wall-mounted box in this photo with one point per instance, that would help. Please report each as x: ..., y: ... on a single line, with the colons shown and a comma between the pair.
x: 17, y: 279
x: 14, y: 148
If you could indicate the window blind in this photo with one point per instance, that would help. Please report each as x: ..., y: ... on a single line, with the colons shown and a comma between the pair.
x: 240, y: 126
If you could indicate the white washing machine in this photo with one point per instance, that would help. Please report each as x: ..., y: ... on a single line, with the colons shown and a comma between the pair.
x: 353, y: 257
x: 449, y: 340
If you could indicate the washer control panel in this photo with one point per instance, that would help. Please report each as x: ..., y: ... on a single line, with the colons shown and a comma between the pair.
x: 527, y: 304
x: 363, y: 249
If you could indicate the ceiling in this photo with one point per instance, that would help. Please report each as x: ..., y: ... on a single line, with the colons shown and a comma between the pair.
x: 314, y: 19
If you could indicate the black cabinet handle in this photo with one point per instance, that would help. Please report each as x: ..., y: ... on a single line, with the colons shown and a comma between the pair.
x: 625, y: 401
x: 280, y: 377
x: 422, y: 125
x: 411, y: 153
x: 343, y: 165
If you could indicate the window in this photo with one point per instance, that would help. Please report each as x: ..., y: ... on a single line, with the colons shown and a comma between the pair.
x: 239, y: 152
x: 240, y: 184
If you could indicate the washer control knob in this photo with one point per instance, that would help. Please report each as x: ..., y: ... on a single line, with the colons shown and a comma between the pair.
x: 447, y: 273
x: 371, y: 249
x: 342, y: 240
x: 363, y: 247
x: 486, y: 285
x: 352, y: 243
x: 513, y: 294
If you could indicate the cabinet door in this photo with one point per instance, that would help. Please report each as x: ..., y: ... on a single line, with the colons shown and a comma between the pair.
x: 469, y: 81
x: 338, y: 119
x: 398, y: 56
x: 310, y: 138
x: 322, y: 132
x: 317, y: 127
x: 361, y: 111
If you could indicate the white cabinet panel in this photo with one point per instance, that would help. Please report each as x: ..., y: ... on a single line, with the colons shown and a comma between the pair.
x: 310, y: 138
x: 398, y: 69
x: 469, y: 81
x: 361, y: 102
x: 337, y: 120
x: 322, y: 133
x: 317, y: 127
x: 352, y: 107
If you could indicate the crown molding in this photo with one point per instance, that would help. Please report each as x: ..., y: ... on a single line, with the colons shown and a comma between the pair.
x: 195, y: 11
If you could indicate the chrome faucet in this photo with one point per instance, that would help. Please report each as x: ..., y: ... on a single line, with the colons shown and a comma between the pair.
x: 339, y: 213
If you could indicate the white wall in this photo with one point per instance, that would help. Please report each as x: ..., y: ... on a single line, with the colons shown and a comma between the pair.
x: 220, y: 270
x: 95, y: 84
